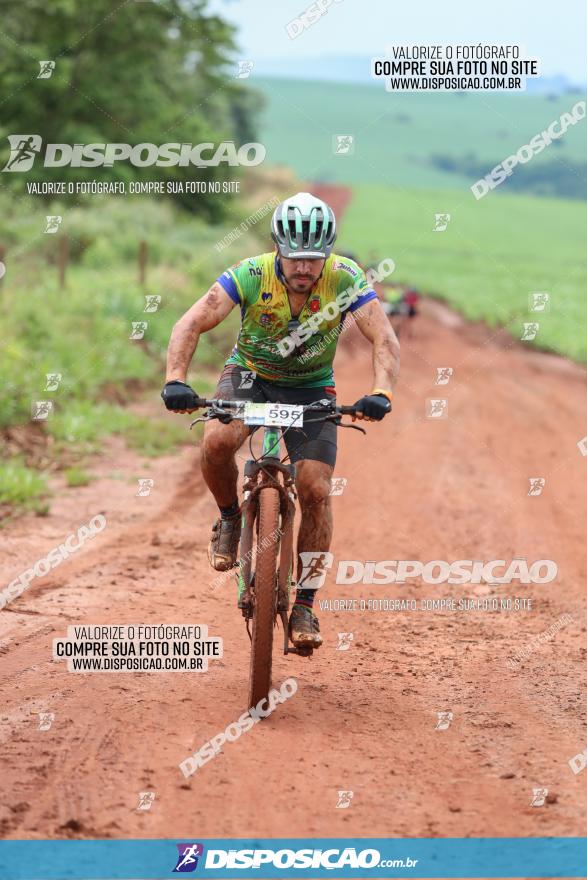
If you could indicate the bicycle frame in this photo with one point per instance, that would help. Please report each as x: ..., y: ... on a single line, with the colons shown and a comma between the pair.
x: 267, y: 471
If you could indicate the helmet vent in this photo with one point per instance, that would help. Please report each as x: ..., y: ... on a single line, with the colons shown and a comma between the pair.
x: 291, y: 223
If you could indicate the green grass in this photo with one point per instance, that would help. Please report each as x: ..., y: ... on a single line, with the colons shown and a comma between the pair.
x: 155, y: 436
x: 396, y: 135
x: 82, y: 332
x: 76, y: 476
x: 493, y: 254
x: 83, y: 425
x: 22, y: 489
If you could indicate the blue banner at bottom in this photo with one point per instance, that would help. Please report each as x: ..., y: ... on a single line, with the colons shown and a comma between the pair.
x: 294, y: 857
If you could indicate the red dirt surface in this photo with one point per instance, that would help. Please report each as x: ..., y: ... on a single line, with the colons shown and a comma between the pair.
x: 334, y: 194
x: 363, y: 719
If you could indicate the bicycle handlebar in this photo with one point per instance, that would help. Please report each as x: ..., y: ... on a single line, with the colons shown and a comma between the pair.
x: 219, y: 403
x: 330, y: 411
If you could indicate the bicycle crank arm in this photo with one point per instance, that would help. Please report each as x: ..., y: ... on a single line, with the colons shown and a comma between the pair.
x: 284, y: 624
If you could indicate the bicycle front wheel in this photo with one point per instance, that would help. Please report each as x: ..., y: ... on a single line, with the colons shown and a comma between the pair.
x: 265, y: 596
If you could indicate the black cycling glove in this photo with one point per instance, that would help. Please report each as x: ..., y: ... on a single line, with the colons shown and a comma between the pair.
x: 374, y: 406
x: 178, y: 396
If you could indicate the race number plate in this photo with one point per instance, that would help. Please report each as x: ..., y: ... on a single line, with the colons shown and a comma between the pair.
x: 280, y: 415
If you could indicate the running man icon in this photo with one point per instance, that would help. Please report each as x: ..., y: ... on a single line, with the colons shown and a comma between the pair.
x: 187, y: 860
x: 24, y: 148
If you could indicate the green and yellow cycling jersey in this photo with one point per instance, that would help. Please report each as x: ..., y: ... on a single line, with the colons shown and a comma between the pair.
x: 265, y: 345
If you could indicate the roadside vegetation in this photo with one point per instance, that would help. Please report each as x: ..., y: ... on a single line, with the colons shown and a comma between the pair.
x: 79, y: 334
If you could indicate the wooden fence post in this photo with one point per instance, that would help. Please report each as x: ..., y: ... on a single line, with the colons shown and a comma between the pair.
x: 63, y: 257
x: 142, y: 263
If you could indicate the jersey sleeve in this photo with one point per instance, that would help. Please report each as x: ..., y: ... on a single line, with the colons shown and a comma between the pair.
x: 241, y: 282
x: 366, y: 295
x: 351, y: 275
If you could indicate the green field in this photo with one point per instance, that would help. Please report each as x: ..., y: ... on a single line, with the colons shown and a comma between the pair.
x: 496, y: 250
x: 396, y: 135
x: 492, y: 255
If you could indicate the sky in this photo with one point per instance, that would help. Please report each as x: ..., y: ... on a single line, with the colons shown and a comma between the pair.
x: 553, y: 33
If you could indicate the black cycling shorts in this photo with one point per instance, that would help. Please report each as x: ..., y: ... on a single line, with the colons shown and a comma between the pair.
x: 315, y: 440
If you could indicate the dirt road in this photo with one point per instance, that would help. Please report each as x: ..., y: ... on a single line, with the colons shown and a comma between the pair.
x: 363, y: 720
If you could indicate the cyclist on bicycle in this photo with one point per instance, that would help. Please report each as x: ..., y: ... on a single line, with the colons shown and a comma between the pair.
x: 282, y: 355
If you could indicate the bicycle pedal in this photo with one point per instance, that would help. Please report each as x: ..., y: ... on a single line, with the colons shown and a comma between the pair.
x: 303, y: 652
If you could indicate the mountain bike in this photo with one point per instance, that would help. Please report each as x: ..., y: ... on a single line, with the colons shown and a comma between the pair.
x: 264, y: 570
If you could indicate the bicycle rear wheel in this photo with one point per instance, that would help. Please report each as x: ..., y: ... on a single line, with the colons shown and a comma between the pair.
x: 265, y: 596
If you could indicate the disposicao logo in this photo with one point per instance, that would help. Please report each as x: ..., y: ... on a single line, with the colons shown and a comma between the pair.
x: 25, y: 147
x: 188, y: 855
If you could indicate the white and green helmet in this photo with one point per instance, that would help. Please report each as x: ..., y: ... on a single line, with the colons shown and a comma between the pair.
x: 303, y: 227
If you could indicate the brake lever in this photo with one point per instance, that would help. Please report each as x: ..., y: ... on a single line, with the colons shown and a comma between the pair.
x: 354, y: 427
x: 225, y: 418
x: 339, y: 424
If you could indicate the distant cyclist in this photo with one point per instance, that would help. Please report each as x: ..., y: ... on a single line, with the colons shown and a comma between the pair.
x: 404, y: 307
x: 277, y: 293
x: 410, y: 298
